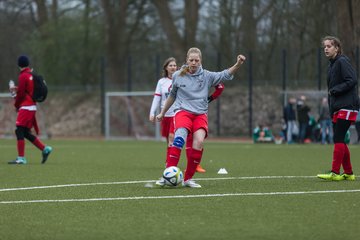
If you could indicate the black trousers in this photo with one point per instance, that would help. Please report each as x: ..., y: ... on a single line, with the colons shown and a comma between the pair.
x: 340, y: 128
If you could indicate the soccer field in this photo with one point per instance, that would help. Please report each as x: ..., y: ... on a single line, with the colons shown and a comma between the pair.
x: 97, y: 190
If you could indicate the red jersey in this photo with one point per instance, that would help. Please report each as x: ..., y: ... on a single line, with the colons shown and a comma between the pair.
x: 218, y: 91
x: 25, y: 89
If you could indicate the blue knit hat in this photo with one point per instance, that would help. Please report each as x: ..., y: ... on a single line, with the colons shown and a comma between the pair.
x: 23, y: 61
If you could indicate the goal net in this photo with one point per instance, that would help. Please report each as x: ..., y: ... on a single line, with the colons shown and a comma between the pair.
x: 127, y: 116
x: 8, y: 117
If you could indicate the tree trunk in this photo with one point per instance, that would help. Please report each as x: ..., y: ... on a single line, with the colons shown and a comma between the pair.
x: 115, y: 23
x: 85, y: 71
x: 225, y: 32
x: 348, y: 25
x: 177, y: 43
x: 191, y: 22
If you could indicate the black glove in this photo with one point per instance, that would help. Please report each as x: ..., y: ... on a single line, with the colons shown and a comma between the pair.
x: 210, y: 98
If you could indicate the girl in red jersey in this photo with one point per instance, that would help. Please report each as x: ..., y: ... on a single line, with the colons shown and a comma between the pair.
x: 162, y: 92
x: 343, y: 105
x: 189, y: 141
x: 26, y: 110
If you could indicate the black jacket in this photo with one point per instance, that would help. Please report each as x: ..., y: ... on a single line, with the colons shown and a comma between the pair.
x: 303, y: 113
x: 342, y: 85
x: 289, y: 113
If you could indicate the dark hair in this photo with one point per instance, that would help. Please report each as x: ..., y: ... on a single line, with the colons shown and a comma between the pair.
x: 23, y: 61
x: 334, y: 41
x: 166, y: 63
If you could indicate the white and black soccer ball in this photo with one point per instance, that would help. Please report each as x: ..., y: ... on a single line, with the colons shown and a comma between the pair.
x: 173, y: 176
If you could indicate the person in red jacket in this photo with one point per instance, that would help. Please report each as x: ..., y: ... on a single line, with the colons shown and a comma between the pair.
x: 189, y: 141
x: 26, y: 110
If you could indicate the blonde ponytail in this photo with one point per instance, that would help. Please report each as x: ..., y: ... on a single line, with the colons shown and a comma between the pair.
x: 184, y: 70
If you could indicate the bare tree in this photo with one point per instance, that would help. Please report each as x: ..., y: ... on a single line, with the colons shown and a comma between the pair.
x: 179, y: 41
x: 42, y: 12
x: 115, y: 25
x: 119, y: 33
x: 227, y: 29
x: 85, y: 71
x: 348, y: 18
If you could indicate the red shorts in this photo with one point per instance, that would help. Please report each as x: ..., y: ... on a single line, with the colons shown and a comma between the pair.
x: 167, y: 126
x: 26, y: 118
x: 192, y: 122
x: 344, y: 114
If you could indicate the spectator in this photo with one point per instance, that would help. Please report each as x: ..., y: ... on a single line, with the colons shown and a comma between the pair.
x: 325, y: 122
x: 262, y: 134
x: 303, y: 117
x: 290, y: 120
x: 357, y: 126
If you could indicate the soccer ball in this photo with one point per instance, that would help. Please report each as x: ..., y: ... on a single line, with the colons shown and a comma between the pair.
x: 173, y: 176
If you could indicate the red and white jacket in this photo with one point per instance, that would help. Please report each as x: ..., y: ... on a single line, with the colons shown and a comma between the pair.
x: 25, y: 91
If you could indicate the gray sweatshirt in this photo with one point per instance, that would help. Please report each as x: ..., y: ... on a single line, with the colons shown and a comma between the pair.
x: 191, y: 91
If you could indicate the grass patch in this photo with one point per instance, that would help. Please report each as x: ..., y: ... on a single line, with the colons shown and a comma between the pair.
x: 247, y: 203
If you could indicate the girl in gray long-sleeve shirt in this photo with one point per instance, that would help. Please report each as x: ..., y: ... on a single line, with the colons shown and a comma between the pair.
x: 189, y: 93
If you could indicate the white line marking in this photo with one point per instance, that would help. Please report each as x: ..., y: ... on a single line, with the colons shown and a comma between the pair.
x: 178, y: 196
x: 144, y: 181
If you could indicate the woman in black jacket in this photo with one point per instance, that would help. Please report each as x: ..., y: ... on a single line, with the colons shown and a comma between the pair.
x: 343, y: 104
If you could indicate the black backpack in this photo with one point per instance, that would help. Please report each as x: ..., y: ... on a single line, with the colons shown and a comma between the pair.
x: 40, y: 88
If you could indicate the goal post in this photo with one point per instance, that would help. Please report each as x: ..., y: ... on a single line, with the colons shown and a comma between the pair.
x: 127, y: 116
x: 8, y: 117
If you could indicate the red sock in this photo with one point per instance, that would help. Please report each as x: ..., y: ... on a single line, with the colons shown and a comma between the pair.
x: 189, y: 142
x: 21, y: 148
x: 346, y: 161
x: 173, y: 156
x: 167, y: 154
x: 338, y: 156
x: 188, y: 153
x: 38, y: 144
x: 192, y: 163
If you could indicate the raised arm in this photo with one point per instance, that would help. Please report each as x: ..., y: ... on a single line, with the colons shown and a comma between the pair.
x: 239, y: 61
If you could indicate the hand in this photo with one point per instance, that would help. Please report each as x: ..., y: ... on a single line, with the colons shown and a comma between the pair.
x: 159, y: 117
x: 13, y: 89
x: 152, y: 118
x: 240, y: 59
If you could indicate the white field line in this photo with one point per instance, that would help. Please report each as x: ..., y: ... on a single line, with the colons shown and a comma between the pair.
x: 180, y: 196
x: 144, y: 181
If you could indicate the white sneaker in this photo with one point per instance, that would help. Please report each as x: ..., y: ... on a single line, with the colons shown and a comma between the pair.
x: 160, y: 182
x: 191, y: 183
